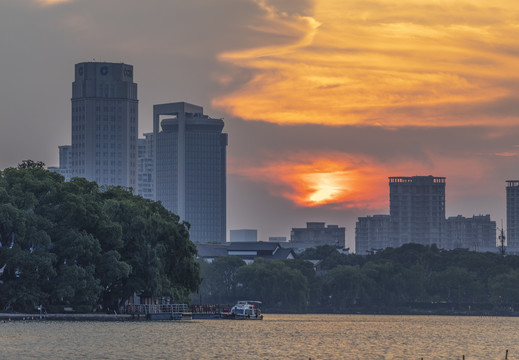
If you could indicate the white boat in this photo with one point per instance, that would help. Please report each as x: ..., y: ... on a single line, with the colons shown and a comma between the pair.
x: 246, y: 310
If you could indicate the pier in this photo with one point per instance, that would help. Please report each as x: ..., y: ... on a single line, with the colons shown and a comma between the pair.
x: 159, y: 312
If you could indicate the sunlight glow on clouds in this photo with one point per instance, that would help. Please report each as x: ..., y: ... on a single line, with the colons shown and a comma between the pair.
x: 53, y: 2
x: 411, y: 62
x: 346, y: 181
x: 313, y: 180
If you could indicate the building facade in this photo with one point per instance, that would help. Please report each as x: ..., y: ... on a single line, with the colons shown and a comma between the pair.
x: 316, y: 233
x: 105, y: 123
x: 145, y: 183
x: 243, y: 235
x: 65, y: 162
x: 190, y: 168
x: 512, y: 215
x: 477, y: 233
x: 372, y: 233
x: 417, y: 210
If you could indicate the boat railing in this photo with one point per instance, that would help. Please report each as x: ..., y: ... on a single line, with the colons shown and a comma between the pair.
x: 154, y: 309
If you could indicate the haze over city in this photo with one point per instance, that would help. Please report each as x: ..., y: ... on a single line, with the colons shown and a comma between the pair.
x: 322, y: 100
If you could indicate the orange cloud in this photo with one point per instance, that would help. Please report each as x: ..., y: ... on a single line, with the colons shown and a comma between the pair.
x: 411, y: 62
x: 313, y: 180
x: 346, y: 181
x: 52, y: 2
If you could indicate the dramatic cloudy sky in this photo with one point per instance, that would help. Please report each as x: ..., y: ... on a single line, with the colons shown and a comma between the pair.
x: 322, y: 99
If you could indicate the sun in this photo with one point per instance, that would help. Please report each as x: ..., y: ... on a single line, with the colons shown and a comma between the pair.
x: 325, y: 187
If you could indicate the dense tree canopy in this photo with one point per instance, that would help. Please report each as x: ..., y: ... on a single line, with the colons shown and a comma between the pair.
x: 412, y: 278
x: 72, y: 243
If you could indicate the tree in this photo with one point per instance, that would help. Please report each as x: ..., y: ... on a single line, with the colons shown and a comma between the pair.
x: 347, y: 286
x: 72, y: 243
x: 220, y: 279
x: 277, y: 286
x: 504, y: 289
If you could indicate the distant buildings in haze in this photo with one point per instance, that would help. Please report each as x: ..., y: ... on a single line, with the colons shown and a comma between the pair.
x: 316, y: 234
x: 243, y: 235
x: 190, y: 168
x: 182, y: 163
x: 417, y: 215
x: 417, y: 210
x: 512, y: 215
x: 105, y: 123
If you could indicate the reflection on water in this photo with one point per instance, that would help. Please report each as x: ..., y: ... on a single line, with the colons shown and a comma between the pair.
x: 277, y: 337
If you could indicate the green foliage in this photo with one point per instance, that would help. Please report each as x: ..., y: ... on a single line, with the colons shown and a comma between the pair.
x: 278, y: 286
x: 72, y: 244
x: 220, y: 282
x: 409, y: 279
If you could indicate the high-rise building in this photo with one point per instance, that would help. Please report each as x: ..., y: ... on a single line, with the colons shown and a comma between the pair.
x: 372, y: 234
x: 105, y: 123
x: 190, y: 168
x: 512, y: 215
x: 145, y: 183
x: 417, y: 210
x: 65, y: 162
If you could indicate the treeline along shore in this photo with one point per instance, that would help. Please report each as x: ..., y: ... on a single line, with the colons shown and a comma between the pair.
x: 75, y: 245
x: 412, y: 279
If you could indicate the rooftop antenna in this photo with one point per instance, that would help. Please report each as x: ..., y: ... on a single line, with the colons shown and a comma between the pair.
x: 502, y: 248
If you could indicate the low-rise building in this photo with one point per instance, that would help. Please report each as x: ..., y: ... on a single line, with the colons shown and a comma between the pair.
x: 244, y: 235
x: 247, y: 251
x: 316, y: 233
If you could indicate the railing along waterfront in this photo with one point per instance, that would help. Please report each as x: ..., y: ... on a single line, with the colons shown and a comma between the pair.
x: 155, y: 309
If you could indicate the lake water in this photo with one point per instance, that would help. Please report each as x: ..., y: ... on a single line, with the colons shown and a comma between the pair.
x: 276, y: 337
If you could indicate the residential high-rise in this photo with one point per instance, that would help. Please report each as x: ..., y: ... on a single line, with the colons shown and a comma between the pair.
x: 372, y: 234
x: 512, y: 215
x: 190, y: 168
x: 105, y: 123
x: 417, y: 210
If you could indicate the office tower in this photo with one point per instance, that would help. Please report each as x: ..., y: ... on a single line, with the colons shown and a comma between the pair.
x: 512, y: 215
x: 145, y: 183
x: 417, y: 210
x: 104, y: 123
x: 190, y: 168
x: 477, y: 233
x: 372, y: 234
x: 65, y: 162
x: 316, y: 234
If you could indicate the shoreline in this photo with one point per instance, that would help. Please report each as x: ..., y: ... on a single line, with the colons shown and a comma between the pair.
x: 67, y: 317
x: 7, y: 317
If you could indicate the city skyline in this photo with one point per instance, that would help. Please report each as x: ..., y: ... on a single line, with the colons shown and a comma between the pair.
x: 322, y: 101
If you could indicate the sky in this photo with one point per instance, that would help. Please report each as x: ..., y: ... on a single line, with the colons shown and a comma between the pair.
x: 323, y: 100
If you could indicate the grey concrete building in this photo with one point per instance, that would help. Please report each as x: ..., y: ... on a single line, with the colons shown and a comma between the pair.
x: 65, y: 162
x: 477, y: 233
x: 145, y: 183
x: 105, y: 123
x: 190, y: 168
x: 417, y: 210
x: 512, y: 215
x: 243, y: 235
x: 372, y: 233
x: 316, y: 233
